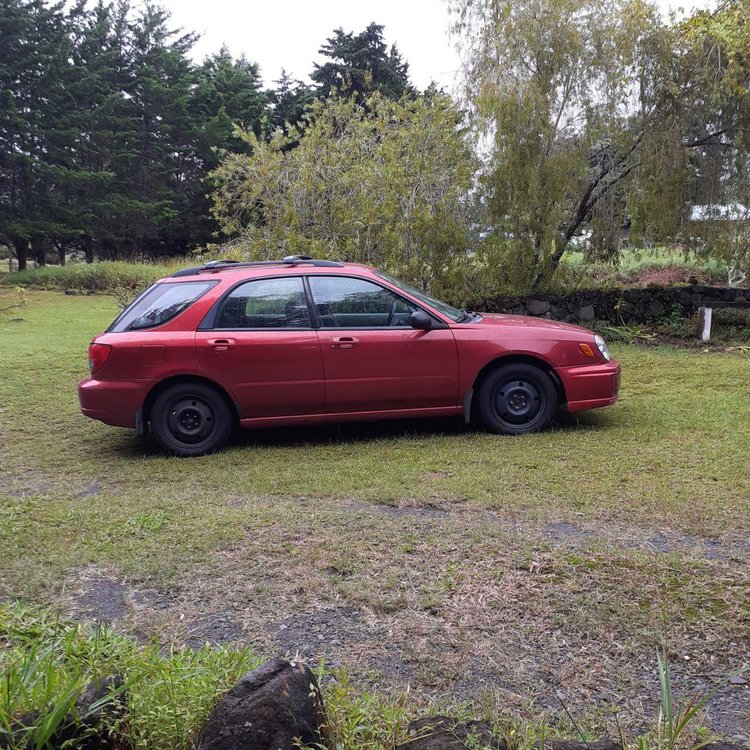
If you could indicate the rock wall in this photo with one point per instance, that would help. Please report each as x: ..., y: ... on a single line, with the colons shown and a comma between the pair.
x: 638, y: 305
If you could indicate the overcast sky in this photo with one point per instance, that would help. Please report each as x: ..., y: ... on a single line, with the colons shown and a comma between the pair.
x: 288, y: 33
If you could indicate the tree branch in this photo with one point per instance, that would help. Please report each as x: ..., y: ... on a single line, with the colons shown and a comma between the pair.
x: 706, y: 139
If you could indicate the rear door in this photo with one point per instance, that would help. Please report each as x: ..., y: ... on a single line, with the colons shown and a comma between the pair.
x: 373, y: 359
x: 263, y: 348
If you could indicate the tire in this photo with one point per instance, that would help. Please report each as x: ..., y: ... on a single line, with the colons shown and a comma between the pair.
x: 517, y: 399
x: 191, y: 419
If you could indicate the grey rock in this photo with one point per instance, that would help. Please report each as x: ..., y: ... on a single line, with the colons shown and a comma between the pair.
x: 93, y: 727
x: 537, y: 306
x: 586, y: 313
x: 656, y: 308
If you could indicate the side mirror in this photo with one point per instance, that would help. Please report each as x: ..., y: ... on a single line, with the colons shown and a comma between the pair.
x: 421, y: 320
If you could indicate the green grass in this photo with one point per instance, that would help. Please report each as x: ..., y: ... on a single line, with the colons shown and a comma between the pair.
x: 433, y: 543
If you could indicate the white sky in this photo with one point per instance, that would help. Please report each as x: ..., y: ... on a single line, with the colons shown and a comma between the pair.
x: 288, y: 33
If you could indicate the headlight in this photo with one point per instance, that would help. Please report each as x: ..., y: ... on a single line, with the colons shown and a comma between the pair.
x: 601, y: 344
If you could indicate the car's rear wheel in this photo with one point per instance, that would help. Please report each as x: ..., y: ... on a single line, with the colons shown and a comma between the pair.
x: 190, y: 419
x: 516, y: 399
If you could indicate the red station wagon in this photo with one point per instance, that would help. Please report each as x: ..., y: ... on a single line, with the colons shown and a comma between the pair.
x: 303, y: 341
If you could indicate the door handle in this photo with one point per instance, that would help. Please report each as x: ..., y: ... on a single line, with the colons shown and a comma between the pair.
x: 344, y: 342
x: 221, y: 345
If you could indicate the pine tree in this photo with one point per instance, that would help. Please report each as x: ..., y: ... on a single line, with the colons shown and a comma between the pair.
x: 361, y: 64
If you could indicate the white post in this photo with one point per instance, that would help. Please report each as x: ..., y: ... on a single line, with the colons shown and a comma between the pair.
x: 704, y: 323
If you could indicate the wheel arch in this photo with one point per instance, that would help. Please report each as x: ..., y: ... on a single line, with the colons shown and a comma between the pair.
x: 162, y: 385
x: 509, y: 359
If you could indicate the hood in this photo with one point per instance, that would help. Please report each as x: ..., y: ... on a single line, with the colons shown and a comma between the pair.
x: 526, y: 321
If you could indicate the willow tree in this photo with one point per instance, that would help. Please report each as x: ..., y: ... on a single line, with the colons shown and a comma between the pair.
x: 715, y: 64
x: 382, y: 182
x: 560, y: 90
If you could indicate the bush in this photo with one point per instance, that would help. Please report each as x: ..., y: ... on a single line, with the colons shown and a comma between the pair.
x: 90, y: 277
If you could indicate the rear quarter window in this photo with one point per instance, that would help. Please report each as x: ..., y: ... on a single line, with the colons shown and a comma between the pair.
x: 159, y: 304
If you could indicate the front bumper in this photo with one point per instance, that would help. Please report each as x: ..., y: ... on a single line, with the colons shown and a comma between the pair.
x: 114, y: 402
x: 590, y: 386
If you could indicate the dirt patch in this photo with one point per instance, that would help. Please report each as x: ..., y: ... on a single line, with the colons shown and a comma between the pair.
x: 664, y: 276
x: 26, y: 485
x: 90, y: 490
x: 213, y: 629
x: 103, y: 597
x: 693, y: 344
x: 312, y: 635
x: 567, y: 532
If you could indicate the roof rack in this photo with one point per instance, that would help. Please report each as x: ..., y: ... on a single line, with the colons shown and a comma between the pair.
x: 290, y: 260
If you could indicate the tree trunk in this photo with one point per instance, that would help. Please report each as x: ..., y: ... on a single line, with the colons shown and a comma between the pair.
x: 88, y: 248
x: 21, y: 246
x: 61, y: 253
x: 38, y: 251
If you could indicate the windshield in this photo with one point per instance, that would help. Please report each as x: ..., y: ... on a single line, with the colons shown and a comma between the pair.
x: 449, y: 311
x: 160, y: 303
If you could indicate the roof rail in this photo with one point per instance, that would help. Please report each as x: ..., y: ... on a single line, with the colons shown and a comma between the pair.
x: 223, y: 265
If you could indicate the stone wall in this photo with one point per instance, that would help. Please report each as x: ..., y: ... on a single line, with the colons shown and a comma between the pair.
x: 637, y: 305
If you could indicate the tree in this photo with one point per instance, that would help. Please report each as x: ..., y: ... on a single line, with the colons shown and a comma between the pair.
x: 384, y: 182
x: 714, y: 70
x: 228, y: 93
x: 35, y: 129
x: 289, y: 100
x: 361, y: 64
x: 597, y: 113
x: 106, y: 126
x: 552, y: 84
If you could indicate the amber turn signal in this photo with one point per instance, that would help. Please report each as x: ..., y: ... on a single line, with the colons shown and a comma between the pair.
x: 587, y: 350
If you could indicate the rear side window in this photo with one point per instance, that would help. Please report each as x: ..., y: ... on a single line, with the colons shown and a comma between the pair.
x: 160, y: 303
x: 266, y: 303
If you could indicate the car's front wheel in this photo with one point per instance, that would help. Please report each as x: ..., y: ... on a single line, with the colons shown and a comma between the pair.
x: 516, y: 399
x: 190, y: 419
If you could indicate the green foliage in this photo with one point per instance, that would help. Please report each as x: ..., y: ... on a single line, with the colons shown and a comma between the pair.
x: 48, y: 662
x: 600, y: 117
x: 549, y: 82
x: 384, y: 183
x: 107, y: 276
x: 359, y: 65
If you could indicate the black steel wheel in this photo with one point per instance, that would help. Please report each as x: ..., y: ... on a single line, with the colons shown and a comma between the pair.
x: 516, y: 399
x: 190, y: 419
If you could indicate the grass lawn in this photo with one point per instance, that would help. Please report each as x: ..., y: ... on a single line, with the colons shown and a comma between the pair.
x: 502, y: 572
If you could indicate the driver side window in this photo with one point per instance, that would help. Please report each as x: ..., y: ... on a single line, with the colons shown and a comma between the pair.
x: 343, y: 302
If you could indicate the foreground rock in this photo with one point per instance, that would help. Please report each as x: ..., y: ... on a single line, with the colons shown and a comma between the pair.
x: 445, y: 733
x: 276, y: 707
x: 93, y: 727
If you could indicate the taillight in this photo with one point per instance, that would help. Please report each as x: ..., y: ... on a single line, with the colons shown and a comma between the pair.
x: 98, y: 355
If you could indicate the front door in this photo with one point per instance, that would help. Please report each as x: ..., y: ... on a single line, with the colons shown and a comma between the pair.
x: 373, y: 359
x: 264, y: 350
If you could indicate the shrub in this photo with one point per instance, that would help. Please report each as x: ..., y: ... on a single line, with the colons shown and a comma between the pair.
x: 90, y: 277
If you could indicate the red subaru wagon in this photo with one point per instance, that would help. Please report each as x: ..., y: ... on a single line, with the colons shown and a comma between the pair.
x: 303, y: 341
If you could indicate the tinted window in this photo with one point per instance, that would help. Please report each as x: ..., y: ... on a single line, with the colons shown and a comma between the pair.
x: 160, y: 303
x: 343, y: 302
x: 266, y: 303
